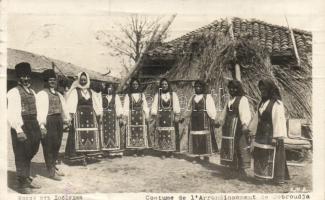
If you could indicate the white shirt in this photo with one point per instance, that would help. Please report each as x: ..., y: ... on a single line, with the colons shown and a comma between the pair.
x: 243, y: 109
x: 210, y: 106
x: 43, y: 107
x: 14, y: 109
x: 278, y: 119
x: 72, y: 101
x: 165, y: 97
x: 136, y: 97
x: 118, y: 104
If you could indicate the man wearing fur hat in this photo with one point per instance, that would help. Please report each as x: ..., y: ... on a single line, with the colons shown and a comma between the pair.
x: 25, y: 130
x: 51, y: 115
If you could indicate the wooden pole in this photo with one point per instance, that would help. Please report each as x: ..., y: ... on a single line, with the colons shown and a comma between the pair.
x: 293, y: 42
x: 237, y: 66
x: 237, y: 72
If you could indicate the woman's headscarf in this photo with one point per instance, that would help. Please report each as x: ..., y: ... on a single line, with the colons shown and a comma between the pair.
x: 238, y: 85
x: 76, y: 83
x: 169, y: 89
x: 271, y: 88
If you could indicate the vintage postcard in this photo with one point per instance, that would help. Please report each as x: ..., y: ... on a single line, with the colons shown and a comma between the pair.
x: 162, y: 100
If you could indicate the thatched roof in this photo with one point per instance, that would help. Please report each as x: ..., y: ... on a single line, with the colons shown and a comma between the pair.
x: 211, y: 55
x: 40, y: 63
x: 276, y: 39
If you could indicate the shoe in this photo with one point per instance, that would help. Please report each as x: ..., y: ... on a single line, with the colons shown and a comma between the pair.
x: 23, y: 186
x: 32, y: 184
x: 58, y: 172
x: 56, y: 177
x: 25, y: 190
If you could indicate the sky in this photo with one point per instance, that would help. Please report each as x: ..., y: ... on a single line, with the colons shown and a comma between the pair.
x: 66, y: 29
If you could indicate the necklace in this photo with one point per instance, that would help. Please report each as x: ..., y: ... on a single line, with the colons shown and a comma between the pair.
x: 162, y: 105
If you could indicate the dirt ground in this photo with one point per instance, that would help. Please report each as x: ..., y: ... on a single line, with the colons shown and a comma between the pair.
x: 153, y: 174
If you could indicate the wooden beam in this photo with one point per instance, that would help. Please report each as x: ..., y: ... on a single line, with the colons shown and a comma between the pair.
x: 293, y: 42
x: 237, y: 72
x: 237, y: 66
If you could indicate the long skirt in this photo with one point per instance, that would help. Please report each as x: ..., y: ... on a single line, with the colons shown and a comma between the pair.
x: 136, y: 131
x: 52, y: 142
x: 26, y: 150
x: 270, y: 162
x: 111, y: 134
x: 165, y: 132
x: 200, y: 144
x: 234, y: 146
x: 83, y: 139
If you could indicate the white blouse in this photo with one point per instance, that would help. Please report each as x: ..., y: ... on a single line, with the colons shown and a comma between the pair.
x: 72, y: 101
x: 210, y: 106
x: 243, y: 109
x: 136, y: 97
x: 14, y: 109
x: 165, y: 97
x: 278, y: 119
x: 118, y: 104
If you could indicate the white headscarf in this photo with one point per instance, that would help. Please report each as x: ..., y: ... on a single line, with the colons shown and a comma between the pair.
x: 76, y: 83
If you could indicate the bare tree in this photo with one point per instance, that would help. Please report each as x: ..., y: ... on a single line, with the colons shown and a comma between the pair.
x: 134, y: 34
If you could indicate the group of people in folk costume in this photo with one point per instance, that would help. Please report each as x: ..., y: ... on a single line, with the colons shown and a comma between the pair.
x: 95, y: 120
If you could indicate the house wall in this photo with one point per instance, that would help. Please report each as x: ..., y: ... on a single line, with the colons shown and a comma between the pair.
x: 36, y: 80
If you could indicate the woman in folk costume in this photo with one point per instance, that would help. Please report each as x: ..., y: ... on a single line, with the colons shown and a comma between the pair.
x: 202, y: 110
x: 166, y: 111
x: 83, y: 138
x: 111, y: 119
x: 51, y: 115
x: 25, y: 131
x: 235, y: 134
x: 269, y: 153
x: 136, y: 113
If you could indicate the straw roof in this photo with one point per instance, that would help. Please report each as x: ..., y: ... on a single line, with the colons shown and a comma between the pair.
x: 211, y: 55
x: 276, y: 39
x: 39, y: 63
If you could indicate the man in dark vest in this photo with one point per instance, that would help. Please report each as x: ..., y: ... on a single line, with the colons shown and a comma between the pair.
x: 25, y: 130
x: 51, y: 115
